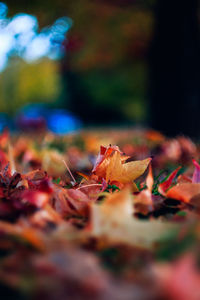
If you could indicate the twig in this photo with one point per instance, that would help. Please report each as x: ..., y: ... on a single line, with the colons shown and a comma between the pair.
x: 85, y: 186
x: 68, y: 169
x: 11, y: 159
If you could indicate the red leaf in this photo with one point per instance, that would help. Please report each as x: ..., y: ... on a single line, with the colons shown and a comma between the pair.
x: 196, y: 174
x: 163, y: 187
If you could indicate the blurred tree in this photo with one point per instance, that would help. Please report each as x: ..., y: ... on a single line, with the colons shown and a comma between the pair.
x: 175, y: 68
x: 104, y: 71
x: 105, y: 63
x: 22, y: 83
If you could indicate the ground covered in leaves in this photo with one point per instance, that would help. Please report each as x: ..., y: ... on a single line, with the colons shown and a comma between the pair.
x: 99, y: 215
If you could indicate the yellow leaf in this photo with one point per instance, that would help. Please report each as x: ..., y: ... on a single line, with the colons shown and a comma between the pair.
x: 125, y: 172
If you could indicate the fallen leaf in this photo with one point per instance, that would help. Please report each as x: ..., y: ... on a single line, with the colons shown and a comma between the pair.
x: 164, y: 186
x: 114, y: 220
x: 125, y: 172
x: 184, y: 192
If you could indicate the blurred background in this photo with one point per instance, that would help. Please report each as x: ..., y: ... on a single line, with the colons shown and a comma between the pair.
x: 68, y: 64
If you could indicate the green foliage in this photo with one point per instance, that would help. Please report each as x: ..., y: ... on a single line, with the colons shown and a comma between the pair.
x: 57, y: 180
x: 109, y: 58
x: 139, y: 186
x: 158, y: 181
x: 112, y: 187
x: 23, y: 83
x: 120, y: 89
x: 181, y: 213
x: 59, y: 145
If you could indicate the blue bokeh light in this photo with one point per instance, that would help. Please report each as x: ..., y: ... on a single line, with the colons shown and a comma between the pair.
x: 3, y: 10
x: 61, y: 122
x: 58, y: 121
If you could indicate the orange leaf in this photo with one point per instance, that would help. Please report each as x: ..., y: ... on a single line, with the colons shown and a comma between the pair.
x: 144, y: 198
x: 26, y: 233
x: 184, y: 191
x: 149, y: 180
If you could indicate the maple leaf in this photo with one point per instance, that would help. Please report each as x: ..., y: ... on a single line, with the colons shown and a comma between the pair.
x: 111, y: 165
x: 114, y: 220
x: 125, y: 172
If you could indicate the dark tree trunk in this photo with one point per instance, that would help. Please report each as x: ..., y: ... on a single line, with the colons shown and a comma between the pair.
x: 175, y: 68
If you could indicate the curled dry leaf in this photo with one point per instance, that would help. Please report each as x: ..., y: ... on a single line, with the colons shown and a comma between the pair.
x: 103, y: 160
x: 104, y: 154
x: 111, y: 165
x: 164, y: 186
x: 70, y: 201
